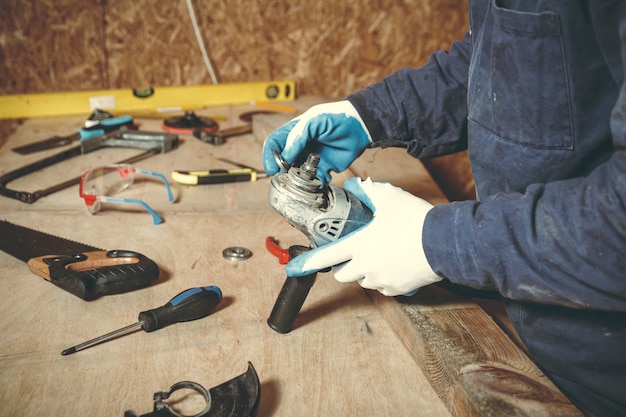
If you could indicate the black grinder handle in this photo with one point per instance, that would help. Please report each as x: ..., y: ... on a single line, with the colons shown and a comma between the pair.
x: 291, y: 297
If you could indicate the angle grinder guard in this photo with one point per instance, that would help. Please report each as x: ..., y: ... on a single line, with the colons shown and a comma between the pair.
x: 238, y: 397
x: 189, y: 122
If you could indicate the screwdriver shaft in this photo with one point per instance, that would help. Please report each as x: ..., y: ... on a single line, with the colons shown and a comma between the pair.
x: 104, y: 338
x: 191, y: 304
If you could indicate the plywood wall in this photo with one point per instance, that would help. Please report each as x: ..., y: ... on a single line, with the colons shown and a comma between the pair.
x: 330, y: 47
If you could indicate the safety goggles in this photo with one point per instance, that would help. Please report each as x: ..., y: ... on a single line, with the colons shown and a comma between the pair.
x: 99, y: 185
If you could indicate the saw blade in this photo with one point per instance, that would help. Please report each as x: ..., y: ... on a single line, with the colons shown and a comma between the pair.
x: 25, y: 243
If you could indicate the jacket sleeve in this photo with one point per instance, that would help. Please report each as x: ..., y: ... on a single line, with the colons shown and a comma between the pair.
x: 561, y: 243
x: 423, y: 110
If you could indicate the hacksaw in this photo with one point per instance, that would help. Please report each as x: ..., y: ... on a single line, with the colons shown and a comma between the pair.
x: 151, y: 99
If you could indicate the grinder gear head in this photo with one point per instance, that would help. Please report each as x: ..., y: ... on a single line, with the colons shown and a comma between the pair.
x: 323, y: 214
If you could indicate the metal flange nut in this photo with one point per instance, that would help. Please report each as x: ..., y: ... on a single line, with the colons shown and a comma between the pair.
x: 236, y: 253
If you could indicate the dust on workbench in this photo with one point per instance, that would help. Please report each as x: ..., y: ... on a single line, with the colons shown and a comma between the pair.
x: 7, y: 128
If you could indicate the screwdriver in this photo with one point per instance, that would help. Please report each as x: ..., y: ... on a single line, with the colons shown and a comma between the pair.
x: 191, y: 304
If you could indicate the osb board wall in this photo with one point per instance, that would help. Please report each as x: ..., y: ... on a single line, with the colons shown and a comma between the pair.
x: 330, y: 47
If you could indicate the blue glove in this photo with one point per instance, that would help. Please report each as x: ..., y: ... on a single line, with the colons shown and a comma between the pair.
x: 386, y: 254
x: 333, y: 131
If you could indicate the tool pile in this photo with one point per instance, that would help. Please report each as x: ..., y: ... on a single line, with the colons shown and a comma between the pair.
x: 89, y: 272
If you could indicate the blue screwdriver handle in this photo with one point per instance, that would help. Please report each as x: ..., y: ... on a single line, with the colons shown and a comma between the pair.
x: 191, y: 304
x: 104, y: 126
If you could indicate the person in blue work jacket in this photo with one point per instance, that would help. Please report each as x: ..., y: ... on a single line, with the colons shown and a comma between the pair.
x: 535, y: 91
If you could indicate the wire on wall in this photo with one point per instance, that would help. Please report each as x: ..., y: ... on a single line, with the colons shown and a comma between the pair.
x: 205, y: 56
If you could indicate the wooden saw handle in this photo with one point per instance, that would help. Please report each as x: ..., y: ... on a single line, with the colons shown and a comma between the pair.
x: 90, y: 275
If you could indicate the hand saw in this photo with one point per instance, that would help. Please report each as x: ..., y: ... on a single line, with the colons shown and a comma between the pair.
x: 83, y: 270
x: 152, y: 142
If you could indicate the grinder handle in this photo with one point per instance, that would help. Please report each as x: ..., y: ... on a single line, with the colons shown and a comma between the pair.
x: 291, y: 297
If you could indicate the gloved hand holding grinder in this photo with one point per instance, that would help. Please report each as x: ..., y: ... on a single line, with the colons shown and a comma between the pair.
x: 386, y: 254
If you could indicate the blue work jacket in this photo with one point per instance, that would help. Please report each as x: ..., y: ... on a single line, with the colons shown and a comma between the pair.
x: 535, y: 91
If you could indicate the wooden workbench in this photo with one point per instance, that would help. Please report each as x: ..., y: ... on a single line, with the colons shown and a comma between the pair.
x: 342, y: 359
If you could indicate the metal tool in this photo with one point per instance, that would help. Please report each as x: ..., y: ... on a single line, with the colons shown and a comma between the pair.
x: 238, y: 397
x: 191, y: 304
x: 162, y: 114
x: 219, y: 137
x: 97, y: 128
x: 236, y: 253
x: 97, y: 116
x: 83, y: 270
x: 152, y: 142
x: 245, y: 173
x: 323, y: 214
x: 188, y: 123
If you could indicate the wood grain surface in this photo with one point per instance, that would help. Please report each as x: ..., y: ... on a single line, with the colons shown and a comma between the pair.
x: 342, y: 358
x: 476, y: 369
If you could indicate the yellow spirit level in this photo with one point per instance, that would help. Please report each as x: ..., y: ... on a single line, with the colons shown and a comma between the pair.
x: 150, y: 99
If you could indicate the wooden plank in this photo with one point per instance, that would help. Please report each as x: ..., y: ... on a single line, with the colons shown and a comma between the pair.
x: 470, y: 362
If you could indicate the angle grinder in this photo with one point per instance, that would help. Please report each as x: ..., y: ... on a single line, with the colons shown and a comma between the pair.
x: 322, y: 213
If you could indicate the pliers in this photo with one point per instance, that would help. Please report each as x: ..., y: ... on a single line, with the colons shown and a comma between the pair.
x: 92, y: 129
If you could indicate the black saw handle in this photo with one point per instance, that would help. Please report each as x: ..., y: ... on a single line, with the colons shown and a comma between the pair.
x: 291, y: 297
x: 90, y: 275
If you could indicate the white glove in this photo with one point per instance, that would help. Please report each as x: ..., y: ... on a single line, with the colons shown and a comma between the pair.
x: 333, y: 131
x: 386, y: 254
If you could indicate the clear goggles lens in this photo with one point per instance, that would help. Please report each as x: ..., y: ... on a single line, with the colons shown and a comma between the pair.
x: 109, y: 180
x: 100, y: 184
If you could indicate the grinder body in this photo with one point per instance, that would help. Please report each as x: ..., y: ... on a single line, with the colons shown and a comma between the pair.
x: 323, y: 214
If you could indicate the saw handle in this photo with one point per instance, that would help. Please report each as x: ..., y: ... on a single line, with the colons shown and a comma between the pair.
x: 91, y: 275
